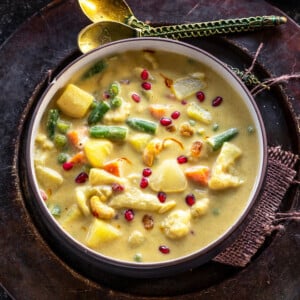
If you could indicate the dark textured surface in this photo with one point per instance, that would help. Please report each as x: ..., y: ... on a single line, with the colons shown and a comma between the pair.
x: 29, y: 270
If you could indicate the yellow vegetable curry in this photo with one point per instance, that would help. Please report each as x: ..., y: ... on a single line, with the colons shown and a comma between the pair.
x: 146, y: 156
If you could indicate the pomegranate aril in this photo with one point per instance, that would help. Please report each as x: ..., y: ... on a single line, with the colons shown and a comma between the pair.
x: 147, y: 172
x: 144, y: 75
x: 106, y: 95
x: 146, y: 85
x: 175, y: 115
x: 67, y: 166
x: 136, y: 98
x: 162, y: 197
x: 217, y: 101
x: 182, y: 159
x: 81, y: 177
x: 164, y: 249
x: 165, y: 121
x: 116, y: 187
x: 144, y: 183
x: 129, y: 215
x: 200, y: 96
x: 190, y: 199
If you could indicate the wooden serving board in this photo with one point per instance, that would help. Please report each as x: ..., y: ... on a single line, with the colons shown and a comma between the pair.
x: 31, y: 266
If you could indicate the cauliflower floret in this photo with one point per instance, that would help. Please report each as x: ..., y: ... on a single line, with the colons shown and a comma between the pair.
x: 221, y: 177
x: 177, y: 224
x: 43, y: 142
x: 135, y: 239
x: 200, y: 208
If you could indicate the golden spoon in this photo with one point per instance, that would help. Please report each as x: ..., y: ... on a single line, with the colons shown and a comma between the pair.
x: 110, y: 10
x: 100, y: 33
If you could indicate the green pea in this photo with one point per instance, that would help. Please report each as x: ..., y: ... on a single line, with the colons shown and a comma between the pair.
x: 192, y: 122
x: 116, y: 102
x: 138, y: 257
x: 216, y: 211
x: 63, y: 126
x: 62, y: 157
x: 55, y: 210
x: 60, y: 140
x: 250, y: 129
x: 114, y: 89
x: 215, y: 127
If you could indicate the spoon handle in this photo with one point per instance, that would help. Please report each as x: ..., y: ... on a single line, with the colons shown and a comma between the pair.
x: 137, y: 24
x: 214, y: 27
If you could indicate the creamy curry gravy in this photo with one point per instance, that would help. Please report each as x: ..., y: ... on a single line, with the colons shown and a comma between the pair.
x: 173, y: 209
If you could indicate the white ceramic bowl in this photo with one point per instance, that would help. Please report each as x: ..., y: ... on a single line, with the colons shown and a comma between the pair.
x: 82, y: 255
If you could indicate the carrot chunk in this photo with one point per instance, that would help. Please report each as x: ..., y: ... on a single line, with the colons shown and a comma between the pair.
x: 73, y: 137
x: 113, y: 167
x: 78, y: 158
x: 199, y: 174
x: 158, y: 110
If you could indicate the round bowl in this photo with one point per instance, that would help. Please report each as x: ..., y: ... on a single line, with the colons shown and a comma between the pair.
x: 91, y: 261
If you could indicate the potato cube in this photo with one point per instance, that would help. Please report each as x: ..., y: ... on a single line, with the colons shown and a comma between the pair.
x: 48, y: 177
x: 101, y: 232
x: 74, y: 102
x: 139, y: 141
x: 168, y: 177
x: 99, y: 176
x: 97, y: 151
x: 70, y: 216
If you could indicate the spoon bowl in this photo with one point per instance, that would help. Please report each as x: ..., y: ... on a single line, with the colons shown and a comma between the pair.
x: 98, y: 34
x: 106, y: 10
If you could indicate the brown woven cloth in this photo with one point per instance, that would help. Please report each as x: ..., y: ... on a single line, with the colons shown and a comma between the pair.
x: 280, y: 175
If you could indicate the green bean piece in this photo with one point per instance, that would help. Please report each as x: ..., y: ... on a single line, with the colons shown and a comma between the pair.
x: 53, y: 116
x: 142, y: 125
x: 115, y: 133
x: 63, y: 126
x: 97, y: 113
x: 114, y: 89
x: 98, y: 67
x: 218, y: 140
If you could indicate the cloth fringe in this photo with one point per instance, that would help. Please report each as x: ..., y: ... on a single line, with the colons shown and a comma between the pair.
x: 279, y: 177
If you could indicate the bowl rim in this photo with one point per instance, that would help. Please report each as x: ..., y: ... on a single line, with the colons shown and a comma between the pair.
x: 130, y: 268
